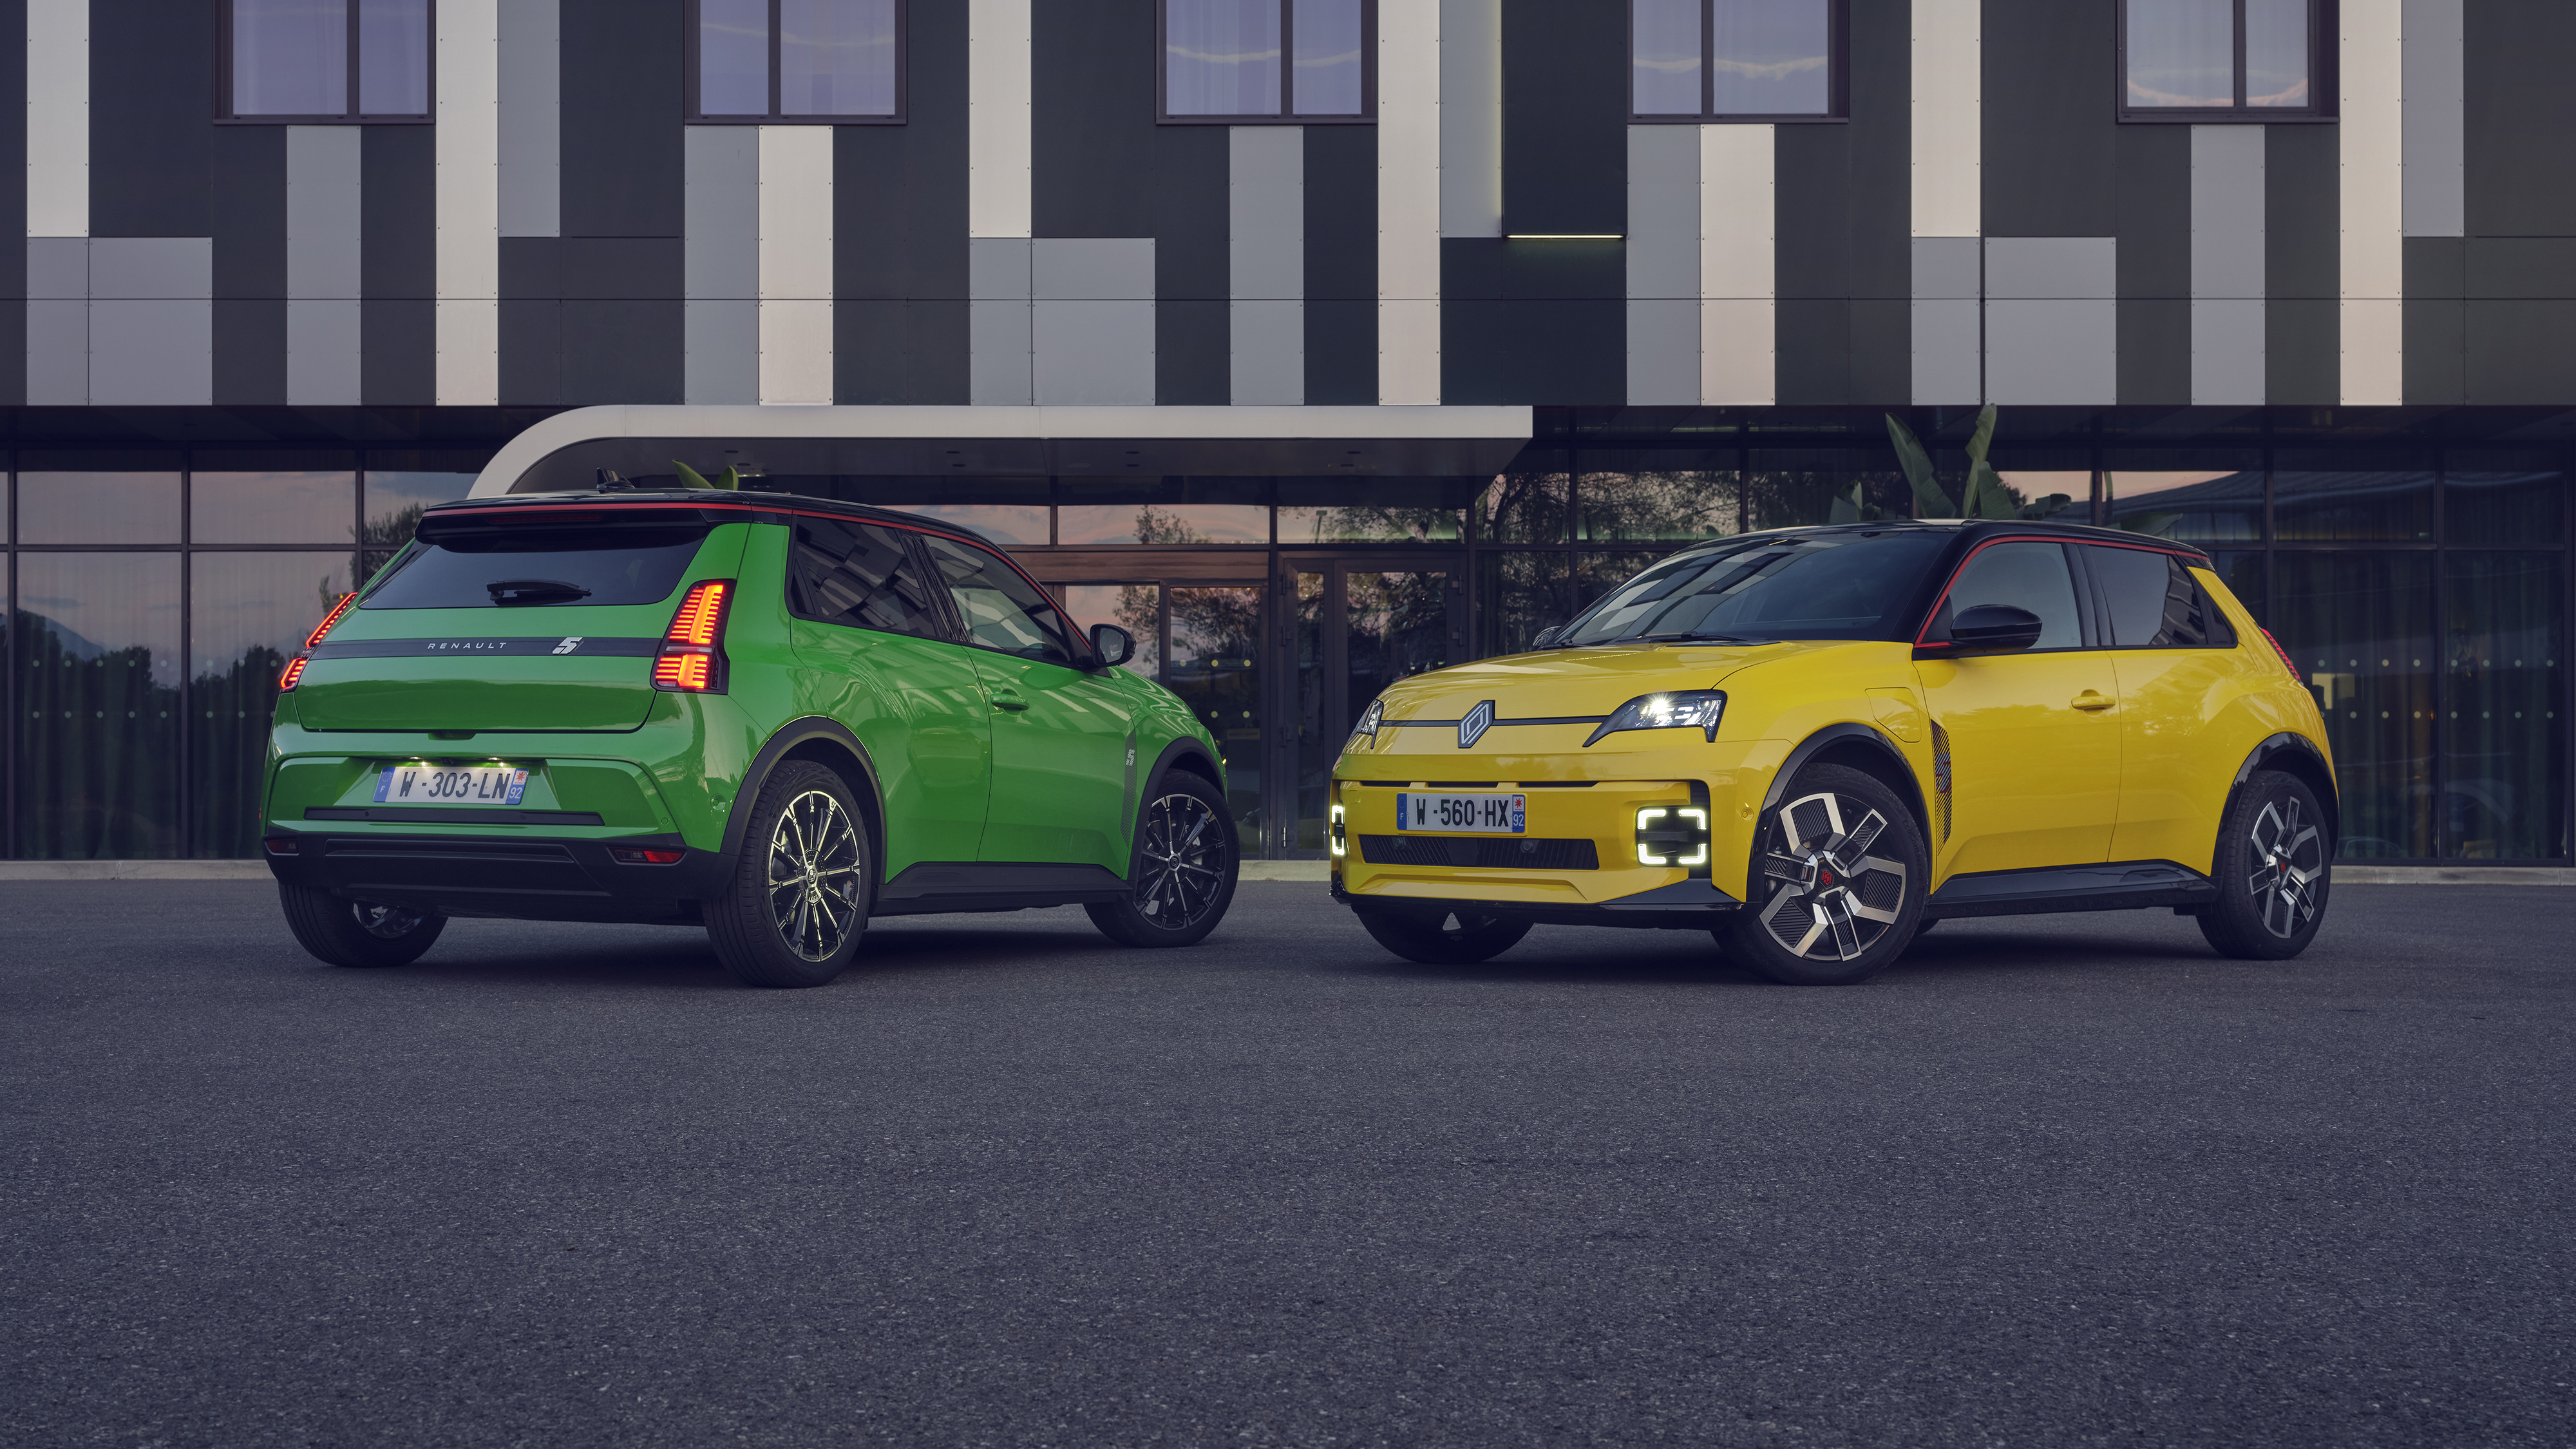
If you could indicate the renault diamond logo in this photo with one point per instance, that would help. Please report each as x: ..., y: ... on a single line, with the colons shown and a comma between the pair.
x: 1473, y: 727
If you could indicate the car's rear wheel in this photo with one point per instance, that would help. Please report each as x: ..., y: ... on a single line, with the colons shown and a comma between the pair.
x: 1184, y: 871
x: 799, y: 897
x: 2274, y: 865
x: 1838, y: 883
x: 357, y: 933
x: 1450, y: 938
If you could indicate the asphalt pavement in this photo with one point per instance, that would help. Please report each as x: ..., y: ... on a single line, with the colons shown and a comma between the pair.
x: 2070, y: 1181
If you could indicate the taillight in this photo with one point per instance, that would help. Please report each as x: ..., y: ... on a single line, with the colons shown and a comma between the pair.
x: 691, y: 660
x: 330, y: 619
x: 294, y: 672
x: 2284, y: 653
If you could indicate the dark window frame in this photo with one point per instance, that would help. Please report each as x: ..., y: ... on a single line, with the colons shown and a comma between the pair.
x: 225, y: 115
x: 1837, y: 110
x: 689, y: 69
x: 2323, y: 87
x: 1288, y: 114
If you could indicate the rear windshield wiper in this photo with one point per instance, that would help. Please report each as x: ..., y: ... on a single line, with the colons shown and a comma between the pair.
x: 506, y: 592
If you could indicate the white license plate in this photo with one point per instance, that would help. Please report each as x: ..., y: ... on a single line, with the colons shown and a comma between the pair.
x: 443, y: 785
x: 1455, y: 814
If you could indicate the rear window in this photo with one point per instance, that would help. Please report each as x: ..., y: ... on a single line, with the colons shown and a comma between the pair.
x: 540, y: 567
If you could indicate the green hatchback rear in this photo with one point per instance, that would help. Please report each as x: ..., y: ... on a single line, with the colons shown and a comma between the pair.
x: 775, y: 717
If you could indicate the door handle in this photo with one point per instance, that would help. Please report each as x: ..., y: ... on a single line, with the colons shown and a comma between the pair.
x: 1009, y: 699
x: 2092, y: 699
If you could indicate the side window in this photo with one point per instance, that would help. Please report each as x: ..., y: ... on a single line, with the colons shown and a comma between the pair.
x: 2154, y: 602
x: 862, y: 576
x: 1002, y: 610
x: 2029, y: 576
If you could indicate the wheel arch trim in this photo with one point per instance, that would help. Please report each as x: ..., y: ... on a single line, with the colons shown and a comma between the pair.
x: 1838, y: 734
x: 788, y: 738
x: 2303, y: 749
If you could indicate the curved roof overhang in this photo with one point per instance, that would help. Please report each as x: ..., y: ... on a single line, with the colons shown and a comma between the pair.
x: 565, y: 451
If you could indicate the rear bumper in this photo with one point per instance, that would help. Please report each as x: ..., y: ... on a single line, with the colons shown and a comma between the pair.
x: 513, y: 877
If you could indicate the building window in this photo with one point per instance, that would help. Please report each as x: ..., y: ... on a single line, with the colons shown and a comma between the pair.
x: 292, y: 60
x: 1294, y: 62
x: 2218, y: 60
x: 1737, y: 60
x: 821, y: 62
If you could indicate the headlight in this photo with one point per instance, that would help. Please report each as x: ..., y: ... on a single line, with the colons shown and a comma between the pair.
x: 1696, y: 709
x: 1366, y: 729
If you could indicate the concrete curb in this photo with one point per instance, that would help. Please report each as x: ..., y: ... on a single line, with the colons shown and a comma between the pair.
x: 1316, y: 871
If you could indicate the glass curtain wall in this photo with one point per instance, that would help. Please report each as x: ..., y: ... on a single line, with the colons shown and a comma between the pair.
x: 153, y: 600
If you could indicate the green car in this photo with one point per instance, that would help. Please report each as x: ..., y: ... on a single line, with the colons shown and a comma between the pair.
x: 772, y: 716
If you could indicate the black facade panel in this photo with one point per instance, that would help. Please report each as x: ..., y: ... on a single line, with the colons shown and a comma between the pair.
x: 2522, y: 352
x: 1490, y: 269
x: 2500, y: 268
x: 398, y: 341
x: 2303, y: 265
x: 619, y: 268
x: 1341, y: 264
x: 2153, y: 215
x: 1193, y: 341
x: 1882, y: 351
x: 2155, y: 350
x: 531, y: 321
x: 628, y: 350
x: 899, y: 192
x: 13, y: 222
x: 624, y: 172
x: 2437, y: 343
x: 891, y: 351
x: 151, y: 127
x: 398, y: 265
x: 2052, y: 148
x: 249, y: 228
x: 1813, y: 338
x: 1091, y: 101
x: 2520, y: 118
x: 2437, y: 267
x: 1525, y: 351
x: 531, y: 348
x: 1843, y: 199
x: 1565, y: 116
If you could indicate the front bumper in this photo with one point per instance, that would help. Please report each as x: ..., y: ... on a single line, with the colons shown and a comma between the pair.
x: 513, y: 877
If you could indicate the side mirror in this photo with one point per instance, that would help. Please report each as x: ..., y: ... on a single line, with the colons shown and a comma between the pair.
x: 1116, y: 646
x: 1545, y: 637
x: 1997, y: 627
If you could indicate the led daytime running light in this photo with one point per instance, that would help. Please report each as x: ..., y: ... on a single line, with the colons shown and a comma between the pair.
x: 1339, y: 834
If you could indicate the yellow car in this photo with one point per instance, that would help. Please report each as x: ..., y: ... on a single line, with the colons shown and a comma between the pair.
x: 1816, y: 742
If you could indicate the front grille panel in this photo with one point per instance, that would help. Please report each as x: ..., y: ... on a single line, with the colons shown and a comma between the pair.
x: 1507, y: 854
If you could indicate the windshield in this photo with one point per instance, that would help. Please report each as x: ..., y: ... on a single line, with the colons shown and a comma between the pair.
x: 495, y: 569
x: 1768, y: 586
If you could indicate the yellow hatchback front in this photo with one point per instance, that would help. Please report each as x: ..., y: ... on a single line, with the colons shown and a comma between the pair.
x: 1816, y: 742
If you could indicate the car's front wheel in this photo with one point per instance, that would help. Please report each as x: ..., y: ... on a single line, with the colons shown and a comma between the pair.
x: 1838, y: 883
x: 798, y: 901
x: 357, y: 933
x: 2273, y: 867
x: 1184, y: 871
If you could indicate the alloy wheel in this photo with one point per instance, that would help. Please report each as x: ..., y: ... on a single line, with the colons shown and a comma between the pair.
x: 1831, y: 899
x: 389, y: 923
x: 2289, y: 858
x: 814, y: 886
x: 1181, y: 860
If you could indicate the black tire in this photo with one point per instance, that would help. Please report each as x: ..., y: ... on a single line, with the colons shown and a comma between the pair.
x: 357, y: 933
x: 798, y: 902
x: 2273, y: 867
x: 1837, y: 886
x: 1451, y: 938
x: 1183, y: 871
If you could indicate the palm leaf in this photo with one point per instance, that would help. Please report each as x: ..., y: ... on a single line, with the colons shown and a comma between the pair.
x: 1929, y: 500
x: 690, y: 477
x: 1984, y: 435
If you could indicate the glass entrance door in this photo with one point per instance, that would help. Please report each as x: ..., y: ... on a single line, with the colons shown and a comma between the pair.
x: 1353, y: 627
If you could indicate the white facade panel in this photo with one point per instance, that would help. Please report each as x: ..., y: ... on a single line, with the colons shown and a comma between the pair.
x: 1408, y: 203
x: 469, y: 203
x: 1739, y: 346
x: 795, y: 264
x: 1948, y: 117
x: 2372, y: 133
x: 58, y: 118
x: 998, y: 201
